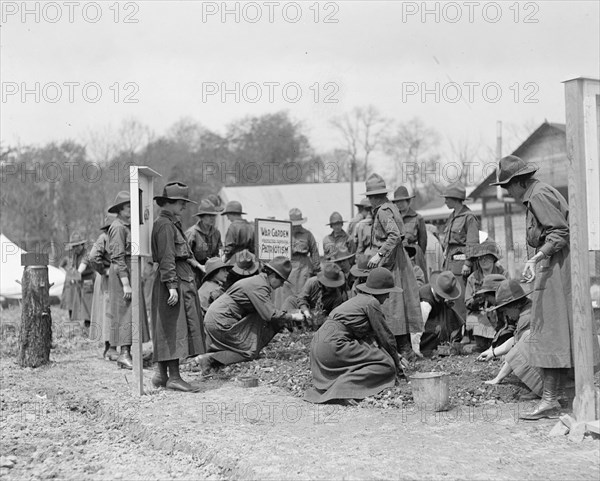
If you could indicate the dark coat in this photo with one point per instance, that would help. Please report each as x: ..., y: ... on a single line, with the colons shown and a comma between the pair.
x: 178, y: 331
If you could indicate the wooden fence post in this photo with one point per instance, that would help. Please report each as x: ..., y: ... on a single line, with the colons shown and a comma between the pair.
x: 35, y: 336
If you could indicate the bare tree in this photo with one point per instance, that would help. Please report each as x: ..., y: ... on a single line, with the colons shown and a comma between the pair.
x: 363, y: 130
x: 466, y: 161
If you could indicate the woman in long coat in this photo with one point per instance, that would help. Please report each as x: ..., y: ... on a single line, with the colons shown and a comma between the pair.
x: 78, y: 291
x: 459, y: 240
x: 353, y: 355
x: 119, y: 282
x: 547, y: 231
x: 402, y: 309
x: 178, y: 332
x: 305, y: 259
x: 100, y: 324
x: 244, y: 319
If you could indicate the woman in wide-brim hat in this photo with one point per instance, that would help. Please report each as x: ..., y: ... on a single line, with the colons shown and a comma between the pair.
x: 243, y: 265
x: 547, y: 222
x: 459, y: 239
x: 178, y: 332
x: 214, y: 279
x: 402, y: 310
x: 485, y: 263
x: 305, y: 259
x: 119, y: 282
x: 346, y: 365
x: 338, y: 238
x: 244, y: 319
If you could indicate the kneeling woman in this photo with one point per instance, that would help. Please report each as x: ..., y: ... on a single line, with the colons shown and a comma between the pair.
x: 244, y: 320
x: 353, y: 355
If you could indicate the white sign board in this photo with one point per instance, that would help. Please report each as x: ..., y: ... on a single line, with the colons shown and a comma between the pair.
x: 141, y: 190
x: 273, y: 238
x: 591, y: 128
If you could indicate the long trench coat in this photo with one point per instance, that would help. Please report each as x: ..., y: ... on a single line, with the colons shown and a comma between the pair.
x: 353, y: 354
x: 242, y: 321
x: 547, y: 230
x: 119, y: 311
x: 100, y: 261
x: 178, y: 330
x: 402, y: 310
x: 77, y: 296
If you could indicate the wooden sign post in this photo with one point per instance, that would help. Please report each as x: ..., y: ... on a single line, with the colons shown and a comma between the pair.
x: 141, y: 190
x: 582, y: 96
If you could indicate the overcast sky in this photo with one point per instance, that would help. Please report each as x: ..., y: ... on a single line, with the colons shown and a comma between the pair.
x: 178, y: 56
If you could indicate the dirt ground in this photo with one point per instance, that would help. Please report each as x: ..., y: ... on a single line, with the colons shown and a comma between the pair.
x: 77, y: 419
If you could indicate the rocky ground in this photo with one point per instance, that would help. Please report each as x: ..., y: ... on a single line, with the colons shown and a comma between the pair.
x: 78, y: 419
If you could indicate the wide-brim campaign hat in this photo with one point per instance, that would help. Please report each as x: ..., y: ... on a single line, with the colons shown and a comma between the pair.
x: 364, y: 203
x: 233, y: 207
x: 336, y: 218
x: 379, y: 281
x: 175, y: 191
x: 401, y: 193
x: 245, y: 263
x: 360, y: 269
x: 206, y: 207
x: 510, y: 167
x: 491, y: 283
x: 121, y: 199
x: 375, y: 185
x: 214, y: 264
x: 216, y: 200
x: 488, y: 246
x: 338, y: 254
x: 296, y: 217
x: 75, y: 240
x: 281, y: 266
x: 509, y: 291
x: 445, y: 285
x: 455, y: 191
x: 331, y: 275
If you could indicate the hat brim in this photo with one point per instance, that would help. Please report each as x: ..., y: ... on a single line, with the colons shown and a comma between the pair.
x: 369, y: 290
x: 356, y: 272
x: 338, y: 222
x: 114, y: 209
x: 530, y: 169
x: 511, y: 301
x: 455, y: 294
x: 330, y: 282
x: 245, y: 272
x: 231, y: 212
x: 349, y: 256
x: 159, y: 197
x: 299, y: 222
x: 204, y: 212
x: 70, y: 245
x: 403, y: 198
x: 278, y: 273
x: 454, y: 197
x: 377, y: 192
x: 214, y: 269
x: 484, y: 291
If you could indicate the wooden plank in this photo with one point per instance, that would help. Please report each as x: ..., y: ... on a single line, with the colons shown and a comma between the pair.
x: 582, y: 338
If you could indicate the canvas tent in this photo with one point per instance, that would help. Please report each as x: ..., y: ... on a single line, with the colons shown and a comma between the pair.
x: 316, y: 201
x: 11, y: 272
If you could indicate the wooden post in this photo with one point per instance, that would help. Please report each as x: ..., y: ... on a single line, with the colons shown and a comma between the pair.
x: 582, y: 151
x: 35, y: 336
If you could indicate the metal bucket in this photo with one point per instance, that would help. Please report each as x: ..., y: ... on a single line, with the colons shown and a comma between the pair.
x: 430, y: 390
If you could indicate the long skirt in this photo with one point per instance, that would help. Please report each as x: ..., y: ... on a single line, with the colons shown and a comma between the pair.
x: 421, y: 261
x: 346, y: 368
x: 238, y: 342
x: 100, y: 325
x: 403, y: 310
x: 301, y: 272
x: 67, y: 297
x: 518, y: 359
x: 82, y: 301
x: 120, y: 312
x: 178, y: 331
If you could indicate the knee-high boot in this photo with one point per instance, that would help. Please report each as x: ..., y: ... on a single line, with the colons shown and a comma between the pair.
x: 548, y: 406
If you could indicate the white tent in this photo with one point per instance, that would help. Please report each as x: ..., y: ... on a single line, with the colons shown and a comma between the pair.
x: 11, y: 272
x: 316, y: 201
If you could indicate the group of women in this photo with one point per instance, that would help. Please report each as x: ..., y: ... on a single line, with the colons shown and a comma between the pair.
x: 364, y: 340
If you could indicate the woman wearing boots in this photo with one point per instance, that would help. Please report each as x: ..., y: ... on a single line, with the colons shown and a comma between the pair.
x: 119, y: 285
x: 177, y: 318
x: 547, y: 231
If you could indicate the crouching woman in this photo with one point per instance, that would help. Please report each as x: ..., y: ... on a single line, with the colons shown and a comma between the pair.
x: 244, y: 319
x: 353, y: 355
x: 176, y: 313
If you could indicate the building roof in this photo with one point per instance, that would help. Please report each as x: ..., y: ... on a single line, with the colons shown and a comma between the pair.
x: 485, y: 190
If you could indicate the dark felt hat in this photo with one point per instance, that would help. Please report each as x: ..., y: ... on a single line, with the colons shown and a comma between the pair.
x: 366, y: 203
x: 337, y: 254
x: 488, y: 246
x: 401, y: 193
x: 214, y: 264
x: 175, y: 191
x: 75, y: 240
x: 281, y: 266
x: 296, y: 217
x: 445, y: 285
x: 509, y: 291
x: 360, y: 269
x: 491, y: 283
x: 510, y: 167
x: 206, y: 207
x: 455, y: 191
x: 336, y: 218
x: 379, y: 281
x: 233, y: 207
x: 375, y: 185
x: 245, y: 263
x: 121, y: 199
x: 331, y: 275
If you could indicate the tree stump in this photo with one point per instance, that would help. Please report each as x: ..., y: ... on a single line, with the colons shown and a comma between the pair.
x: 35, y: 336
